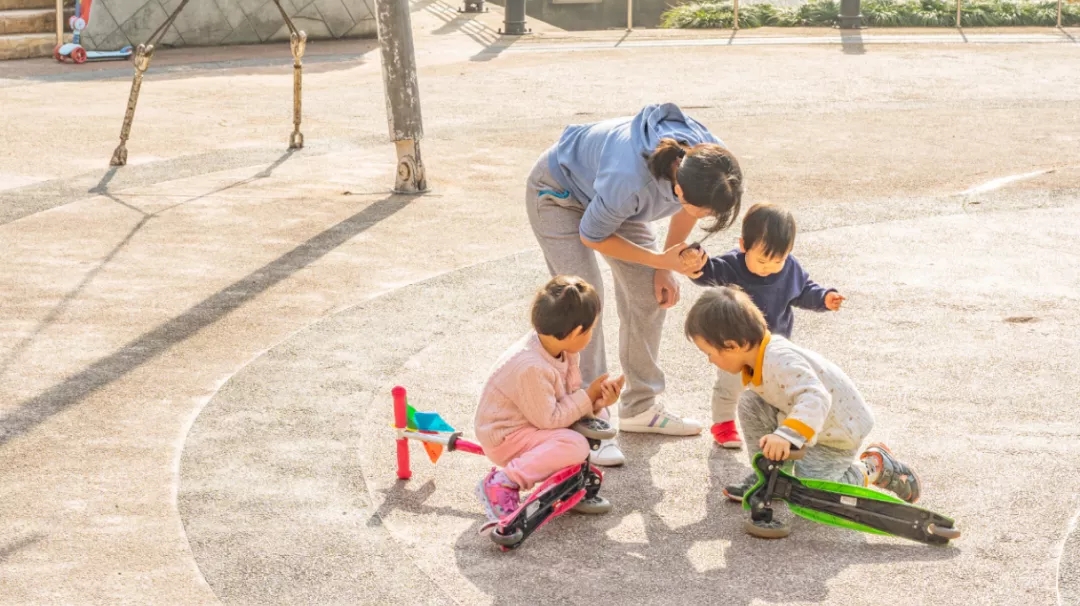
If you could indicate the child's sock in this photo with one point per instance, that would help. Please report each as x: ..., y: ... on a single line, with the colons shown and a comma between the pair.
x: 873, y: 469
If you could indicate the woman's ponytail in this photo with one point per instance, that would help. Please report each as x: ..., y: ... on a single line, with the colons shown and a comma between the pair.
x: 662, y: 161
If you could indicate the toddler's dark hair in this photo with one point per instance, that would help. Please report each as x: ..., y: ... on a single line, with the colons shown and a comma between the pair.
x: 726, y: 314
x: 708, y: 174
x: 772, y: 226
x: 563, y: 304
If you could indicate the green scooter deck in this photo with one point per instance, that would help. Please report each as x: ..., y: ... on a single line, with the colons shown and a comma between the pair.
x: 843, y: 506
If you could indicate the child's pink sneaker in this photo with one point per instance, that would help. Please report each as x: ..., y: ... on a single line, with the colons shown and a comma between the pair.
x: 726, y: 434
x: 498, y: 494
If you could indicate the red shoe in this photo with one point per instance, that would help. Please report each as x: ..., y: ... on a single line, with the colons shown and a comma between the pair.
x: 726, y: 435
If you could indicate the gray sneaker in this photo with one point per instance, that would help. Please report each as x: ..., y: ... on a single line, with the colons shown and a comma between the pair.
x: 735, y: 492
x: 892, y: 474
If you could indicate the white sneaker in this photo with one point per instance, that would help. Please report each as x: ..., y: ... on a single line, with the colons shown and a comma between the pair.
x: 658, y: 420
x: 608, y: 455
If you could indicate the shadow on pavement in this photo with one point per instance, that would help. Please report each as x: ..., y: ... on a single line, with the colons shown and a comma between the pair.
x: 575, y: 560
x: 29, y: 413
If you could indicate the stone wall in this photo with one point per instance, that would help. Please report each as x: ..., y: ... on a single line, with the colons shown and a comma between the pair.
x: 118, y: 23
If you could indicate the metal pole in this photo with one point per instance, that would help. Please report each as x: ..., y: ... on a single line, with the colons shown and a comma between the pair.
x: 59, y: 19
x: 297, y: 43
x: 402, y: 93
x: 735, y: 21
x: 850, y: 14
x: 143, y: 54
x: 630, y: 15
x: 514, y: 18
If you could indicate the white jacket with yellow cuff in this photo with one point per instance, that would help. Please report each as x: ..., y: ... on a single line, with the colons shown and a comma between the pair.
x: 816, y: 402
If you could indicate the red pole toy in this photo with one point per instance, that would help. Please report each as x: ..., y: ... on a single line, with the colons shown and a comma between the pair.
x: 400, y: 421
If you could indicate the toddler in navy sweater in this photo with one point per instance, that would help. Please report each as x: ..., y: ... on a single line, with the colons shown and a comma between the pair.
x: 763, y: 267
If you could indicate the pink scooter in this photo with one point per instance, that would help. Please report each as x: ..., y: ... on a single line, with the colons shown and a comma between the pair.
x: 572, y: 488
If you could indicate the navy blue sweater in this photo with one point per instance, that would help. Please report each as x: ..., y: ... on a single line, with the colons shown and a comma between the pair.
x: 774, y: 295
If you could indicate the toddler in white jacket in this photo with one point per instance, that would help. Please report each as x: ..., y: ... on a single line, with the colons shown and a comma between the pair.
x: 794, y: 397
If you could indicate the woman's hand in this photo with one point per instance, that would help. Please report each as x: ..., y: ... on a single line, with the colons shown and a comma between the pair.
x: 693, y: 259
x: 666, y: 288
x: 683, y: 259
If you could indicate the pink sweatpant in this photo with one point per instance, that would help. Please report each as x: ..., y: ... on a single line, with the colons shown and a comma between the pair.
x: 530, y: 455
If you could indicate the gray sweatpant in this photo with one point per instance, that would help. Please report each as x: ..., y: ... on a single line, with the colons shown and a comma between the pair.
x: 821, y: 462
x: 556, y: 224
x: 725, y: 397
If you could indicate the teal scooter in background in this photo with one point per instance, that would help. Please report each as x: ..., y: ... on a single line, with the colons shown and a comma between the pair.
x: 74, y: 50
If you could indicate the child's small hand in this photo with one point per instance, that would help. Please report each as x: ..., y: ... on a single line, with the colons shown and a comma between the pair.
x: 595, y: 390
x: 774, y: 447
x: 682, y: 259
x: 618, y: 384
x: 609, y: 391
x: 833, y: 300
x: 693, y: 259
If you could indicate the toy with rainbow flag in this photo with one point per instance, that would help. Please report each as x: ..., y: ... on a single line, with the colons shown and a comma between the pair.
x: 428, y: 428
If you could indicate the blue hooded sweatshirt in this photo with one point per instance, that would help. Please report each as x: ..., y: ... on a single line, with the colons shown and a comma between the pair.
x: 602, y: 165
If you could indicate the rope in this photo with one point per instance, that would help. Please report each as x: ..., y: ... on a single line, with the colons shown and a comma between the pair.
x: 288, y: 22
x: 160, y: 32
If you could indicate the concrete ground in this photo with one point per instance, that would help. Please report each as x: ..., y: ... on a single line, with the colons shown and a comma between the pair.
x: 197, y: 350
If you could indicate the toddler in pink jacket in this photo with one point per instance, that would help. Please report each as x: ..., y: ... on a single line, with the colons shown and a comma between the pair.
x: 535, y: 393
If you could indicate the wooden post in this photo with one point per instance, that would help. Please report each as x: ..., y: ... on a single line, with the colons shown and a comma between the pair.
x: 735, y: 20
x: 1059, y: 14
x: 630, y: 15
x: 958, y: 4
x: 59, y: 21
x: 402, y: 93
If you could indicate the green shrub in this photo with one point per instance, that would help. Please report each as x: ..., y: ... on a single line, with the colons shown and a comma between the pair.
x: 876, y: 13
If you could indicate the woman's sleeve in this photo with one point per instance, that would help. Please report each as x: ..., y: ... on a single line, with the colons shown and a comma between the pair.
x: 603, y: 218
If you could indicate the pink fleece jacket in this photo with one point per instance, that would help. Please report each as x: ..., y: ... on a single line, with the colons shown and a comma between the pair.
x: 529, y: 387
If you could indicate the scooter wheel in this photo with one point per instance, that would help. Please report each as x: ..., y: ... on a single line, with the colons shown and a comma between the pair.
x: 79, y: 55
x: 56, y: 53
x: 594, y: 506
x: 774, y: 529
x: 941, y: 531
x: 507, y: 540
